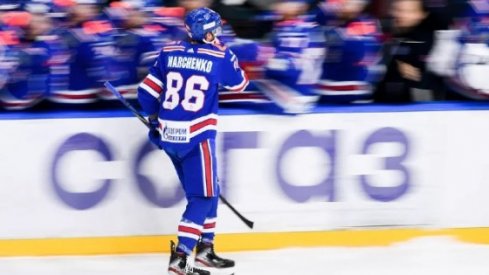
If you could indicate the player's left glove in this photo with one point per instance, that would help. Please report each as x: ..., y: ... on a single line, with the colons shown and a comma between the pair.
x: 153, y: 134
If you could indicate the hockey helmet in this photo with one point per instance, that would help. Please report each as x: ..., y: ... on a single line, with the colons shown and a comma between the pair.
x: 201, y: 21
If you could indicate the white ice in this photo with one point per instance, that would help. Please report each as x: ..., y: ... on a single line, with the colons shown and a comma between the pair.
x: 423, y: 256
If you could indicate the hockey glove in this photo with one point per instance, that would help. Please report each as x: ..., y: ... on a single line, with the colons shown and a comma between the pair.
x: 153, y: 134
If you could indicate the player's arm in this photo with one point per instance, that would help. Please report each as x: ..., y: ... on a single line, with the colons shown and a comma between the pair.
x: 150, y: 89
x: 233, y: 78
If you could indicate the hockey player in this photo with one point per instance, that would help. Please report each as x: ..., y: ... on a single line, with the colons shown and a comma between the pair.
x: 180, y: 96
x: 9, y: 57
x: 461, y: 54
x: 91, y: 49
x: 291, y: 75
x: 34, y: 57
x: 352, y: 62
x: 135, y: 48
x: 252, y: 57
x: 168, y: 22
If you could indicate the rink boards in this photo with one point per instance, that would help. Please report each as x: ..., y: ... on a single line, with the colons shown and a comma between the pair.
x: 89, y: 183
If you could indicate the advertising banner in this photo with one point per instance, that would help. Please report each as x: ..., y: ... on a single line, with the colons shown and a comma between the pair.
x: 86, y: 177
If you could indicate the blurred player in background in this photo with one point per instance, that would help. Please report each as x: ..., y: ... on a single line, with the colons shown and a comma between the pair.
x: 180, y: 94
x: 252, y: 56
x: 9, y: 57
x: 135, y: 47
x: 353, y: 51
x: 282, y: 73
x: 89, y: 42
x: 293, y: 72
x: 168, y: 21
x: 34, y: 54
x: 461, y: 54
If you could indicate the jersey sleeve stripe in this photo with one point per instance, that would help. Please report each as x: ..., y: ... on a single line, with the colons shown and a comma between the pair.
x: 155, y: 80
x: 241, y: 86
x: 149, y: 82
x: 149, y: 90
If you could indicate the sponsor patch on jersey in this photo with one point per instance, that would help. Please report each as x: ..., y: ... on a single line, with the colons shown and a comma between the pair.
x: 175, y: 131
x: 176, y: 134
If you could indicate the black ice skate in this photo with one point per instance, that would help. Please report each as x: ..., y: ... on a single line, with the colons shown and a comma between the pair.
x: 206, y: 257
x: 179, y: 264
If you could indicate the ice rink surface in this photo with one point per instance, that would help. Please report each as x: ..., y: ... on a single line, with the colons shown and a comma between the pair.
x: 422, y: 256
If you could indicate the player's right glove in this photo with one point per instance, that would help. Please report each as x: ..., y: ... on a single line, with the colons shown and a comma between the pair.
x: 153, y: 134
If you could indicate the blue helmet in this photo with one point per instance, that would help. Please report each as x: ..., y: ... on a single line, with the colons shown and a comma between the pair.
x: 201, y: 21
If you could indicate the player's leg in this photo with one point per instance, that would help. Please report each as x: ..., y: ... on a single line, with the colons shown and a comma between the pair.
x: 206, y: 256
x: 199, y: 183
x: 177, y: 163
x: 189, y: 231
x: 209, y: 227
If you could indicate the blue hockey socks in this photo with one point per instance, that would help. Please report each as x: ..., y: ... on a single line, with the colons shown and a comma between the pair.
x: 191, y: 225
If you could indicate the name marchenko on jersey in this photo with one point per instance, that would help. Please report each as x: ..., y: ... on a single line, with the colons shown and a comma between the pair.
x: 193, y: 63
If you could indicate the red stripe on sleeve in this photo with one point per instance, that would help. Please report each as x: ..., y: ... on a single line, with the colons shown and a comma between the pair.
x: 153, y: 85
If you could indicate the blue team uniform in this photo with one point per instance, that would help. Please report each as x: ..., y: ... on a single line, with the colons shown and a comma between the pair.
x: 291, y: 75
x: 168, y: 22
x: 31, y: 66
x: 252, y: 58
x: 353, y: 55
x: 199, y: 69
x: 182, y: 88
x: 135, y: 51
x: 90, y: 47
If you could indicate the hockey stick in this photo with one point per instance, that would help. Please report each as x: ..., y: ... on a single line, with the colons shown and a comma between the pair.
x: 143, y: 120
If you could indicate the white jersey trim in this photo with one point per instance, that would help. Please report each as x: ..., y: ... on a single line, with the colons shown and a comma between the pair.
x: 149, y: 90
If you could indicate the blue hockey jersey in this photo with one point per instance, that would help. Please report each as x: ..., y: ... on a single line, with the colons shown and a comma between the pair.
x: 31, y: 65
x: 353, y: 55
x: 135, y: 52
x: 291, y: 75
x: 182, y: 87
x: 91, y: 56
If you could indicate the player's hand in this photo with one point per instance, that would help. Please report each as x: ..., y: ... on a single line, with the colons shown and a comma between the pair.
x: 154, y: 124
x: 154, y: 135
x: 408, y: 71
